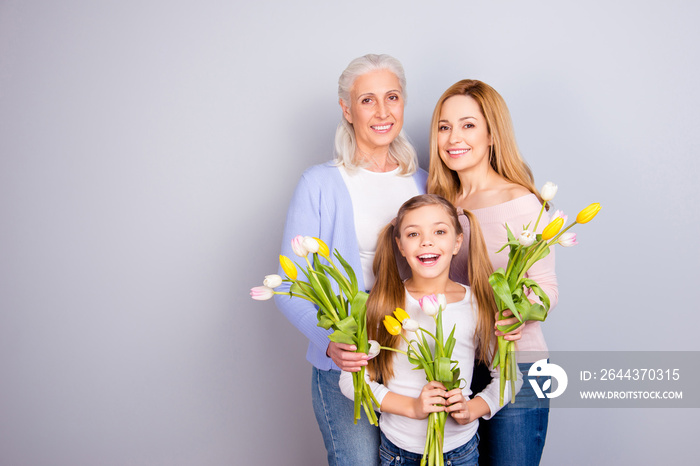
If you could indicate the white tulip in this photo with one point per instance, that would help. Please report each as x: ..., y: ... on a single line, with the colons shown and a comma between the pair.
x: 373, y: 348
x: 272, y: 281
x: 310, y: 244
x: 526, y: 238
x: 549, y: 190
x: 410, y: 325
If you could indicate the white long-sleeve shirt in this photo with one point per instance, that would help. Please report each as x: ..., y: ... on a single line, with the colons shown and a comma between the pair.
x: 409, y: 434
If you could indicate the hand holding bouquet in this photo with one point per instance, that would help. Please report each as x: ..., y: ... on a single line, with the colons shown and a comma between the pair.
x: 511, y: 286
x: 344, y: 312
x: 437, y: 364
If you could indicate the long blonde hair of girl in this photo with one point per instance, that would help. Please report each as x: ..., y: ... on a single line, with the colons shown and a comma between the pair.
x: 388, y: 291
x: 504, y: 156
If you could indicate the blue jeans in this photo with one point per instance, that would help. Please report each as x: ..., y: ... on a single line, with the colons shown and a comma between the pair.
x: 466, y: 455
x: 516, y: 434
x: 347, y: 443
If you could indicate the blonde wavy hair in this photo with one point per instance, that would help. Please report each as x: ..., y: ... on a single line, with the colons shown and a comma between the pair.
x: 504, y: 156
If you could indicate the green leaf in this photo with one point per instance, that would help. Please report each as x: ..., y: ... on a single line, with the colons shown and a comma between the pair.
x: 425, y: 349
x: 324, y: 322
x: 342, y: 282
x: 450, y: 343
x: 439, y: 349
x: 349, y: 271
x: 358, y: 307
x: 511, y: 236
x: 536, y: 312
x: 347, y: 325
x: 502, y: 290
x: 325, y: 290
x: 415, y: 360
x: 443, y: 370
x: 532, y: 284
x: 496, y: 359
x: 341, y: 337
x: 513, y: 245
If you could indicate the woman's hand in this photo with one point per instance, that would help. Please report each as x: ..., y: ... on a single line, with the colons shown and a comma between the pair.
x: 430, y: 400
x: 456, y: 405
x: 345, y: 357
x: 513, y: 335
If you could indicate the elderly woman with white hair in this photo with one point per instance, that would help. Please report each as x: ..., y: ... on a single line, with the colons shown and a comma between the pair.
x: 346, y: 202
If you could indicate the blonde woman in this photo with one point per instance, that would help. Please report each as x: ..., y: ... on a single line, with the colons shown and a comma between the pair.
x: 475, y: 163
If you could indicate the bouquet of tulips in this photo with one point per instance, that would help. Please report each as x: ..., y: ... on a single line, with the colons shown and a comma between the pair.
x: 437, y: 365
x: 511, y: 286
x: 344, y: 312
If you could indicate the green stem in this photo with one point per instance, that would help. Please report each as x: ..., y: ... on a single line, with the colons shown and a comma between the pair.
x: 529, y: 260
x: 425, y: 331
x: 511, y: 263
x: 539, y: 216
x: 556, y: 238
x: 393, y: 349
x: 323, y: 296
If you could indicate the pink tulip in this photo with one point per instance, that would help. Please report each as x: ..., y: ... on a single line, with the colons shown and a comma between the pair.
x: 261, y: 293
x: 568, y: 239
x: 429, y: 304
x: 559, y: 213
x: 298, y: 246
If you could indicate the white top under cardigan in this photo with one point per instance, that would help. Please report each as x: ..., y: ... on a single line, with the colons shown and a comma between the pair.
x: 376, y: 198
x: 407, y: 433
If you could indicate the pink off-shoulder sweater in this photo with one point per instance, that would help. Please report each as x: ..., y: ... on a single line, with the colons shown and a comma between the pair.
x: 517, y: 213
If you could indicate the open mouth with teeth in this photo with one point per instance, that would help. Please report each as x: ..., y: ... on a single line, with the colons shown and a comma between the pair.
x: 457, y: 152
x: 382, y: 128
x: 428, y: 259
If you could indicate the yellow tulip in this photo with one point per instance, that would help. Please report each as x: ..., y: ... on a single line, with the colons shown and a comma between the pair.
x: 587, y: 214
x: 288, y: 267
x: 323, y: 249
x: 392, y: 325
x: 553, y: 228
x: 401, y: 315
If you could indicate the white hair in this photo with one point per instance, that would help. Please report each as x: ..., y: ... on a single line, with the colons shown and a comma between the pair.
x: 345, y: 142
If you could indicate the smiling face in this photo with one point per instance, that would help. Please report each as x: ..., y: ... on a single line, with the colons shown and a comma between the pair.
x: 375, y: 110
x: 463, y: 136
x: 428, y: 239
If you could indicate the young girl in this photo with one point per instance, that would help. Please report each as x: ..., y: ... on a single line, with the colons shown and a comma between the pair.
x: 476, y: 165
x: 427, y: 234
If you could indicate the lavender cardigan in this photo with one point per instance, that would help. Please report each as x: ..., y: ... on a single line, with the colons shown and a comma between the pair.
x: 321, y: 207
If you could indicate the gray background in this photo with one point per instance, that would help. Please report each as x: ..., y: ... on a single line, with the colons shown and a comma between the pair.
x: 147, y: 153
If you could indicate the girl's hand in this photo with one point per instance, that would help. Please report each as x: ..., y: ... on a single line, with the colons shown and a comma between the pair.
x: 513, y: 335
x: 430, y: 400
x: 456, y: 406
x: 344, y: 356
